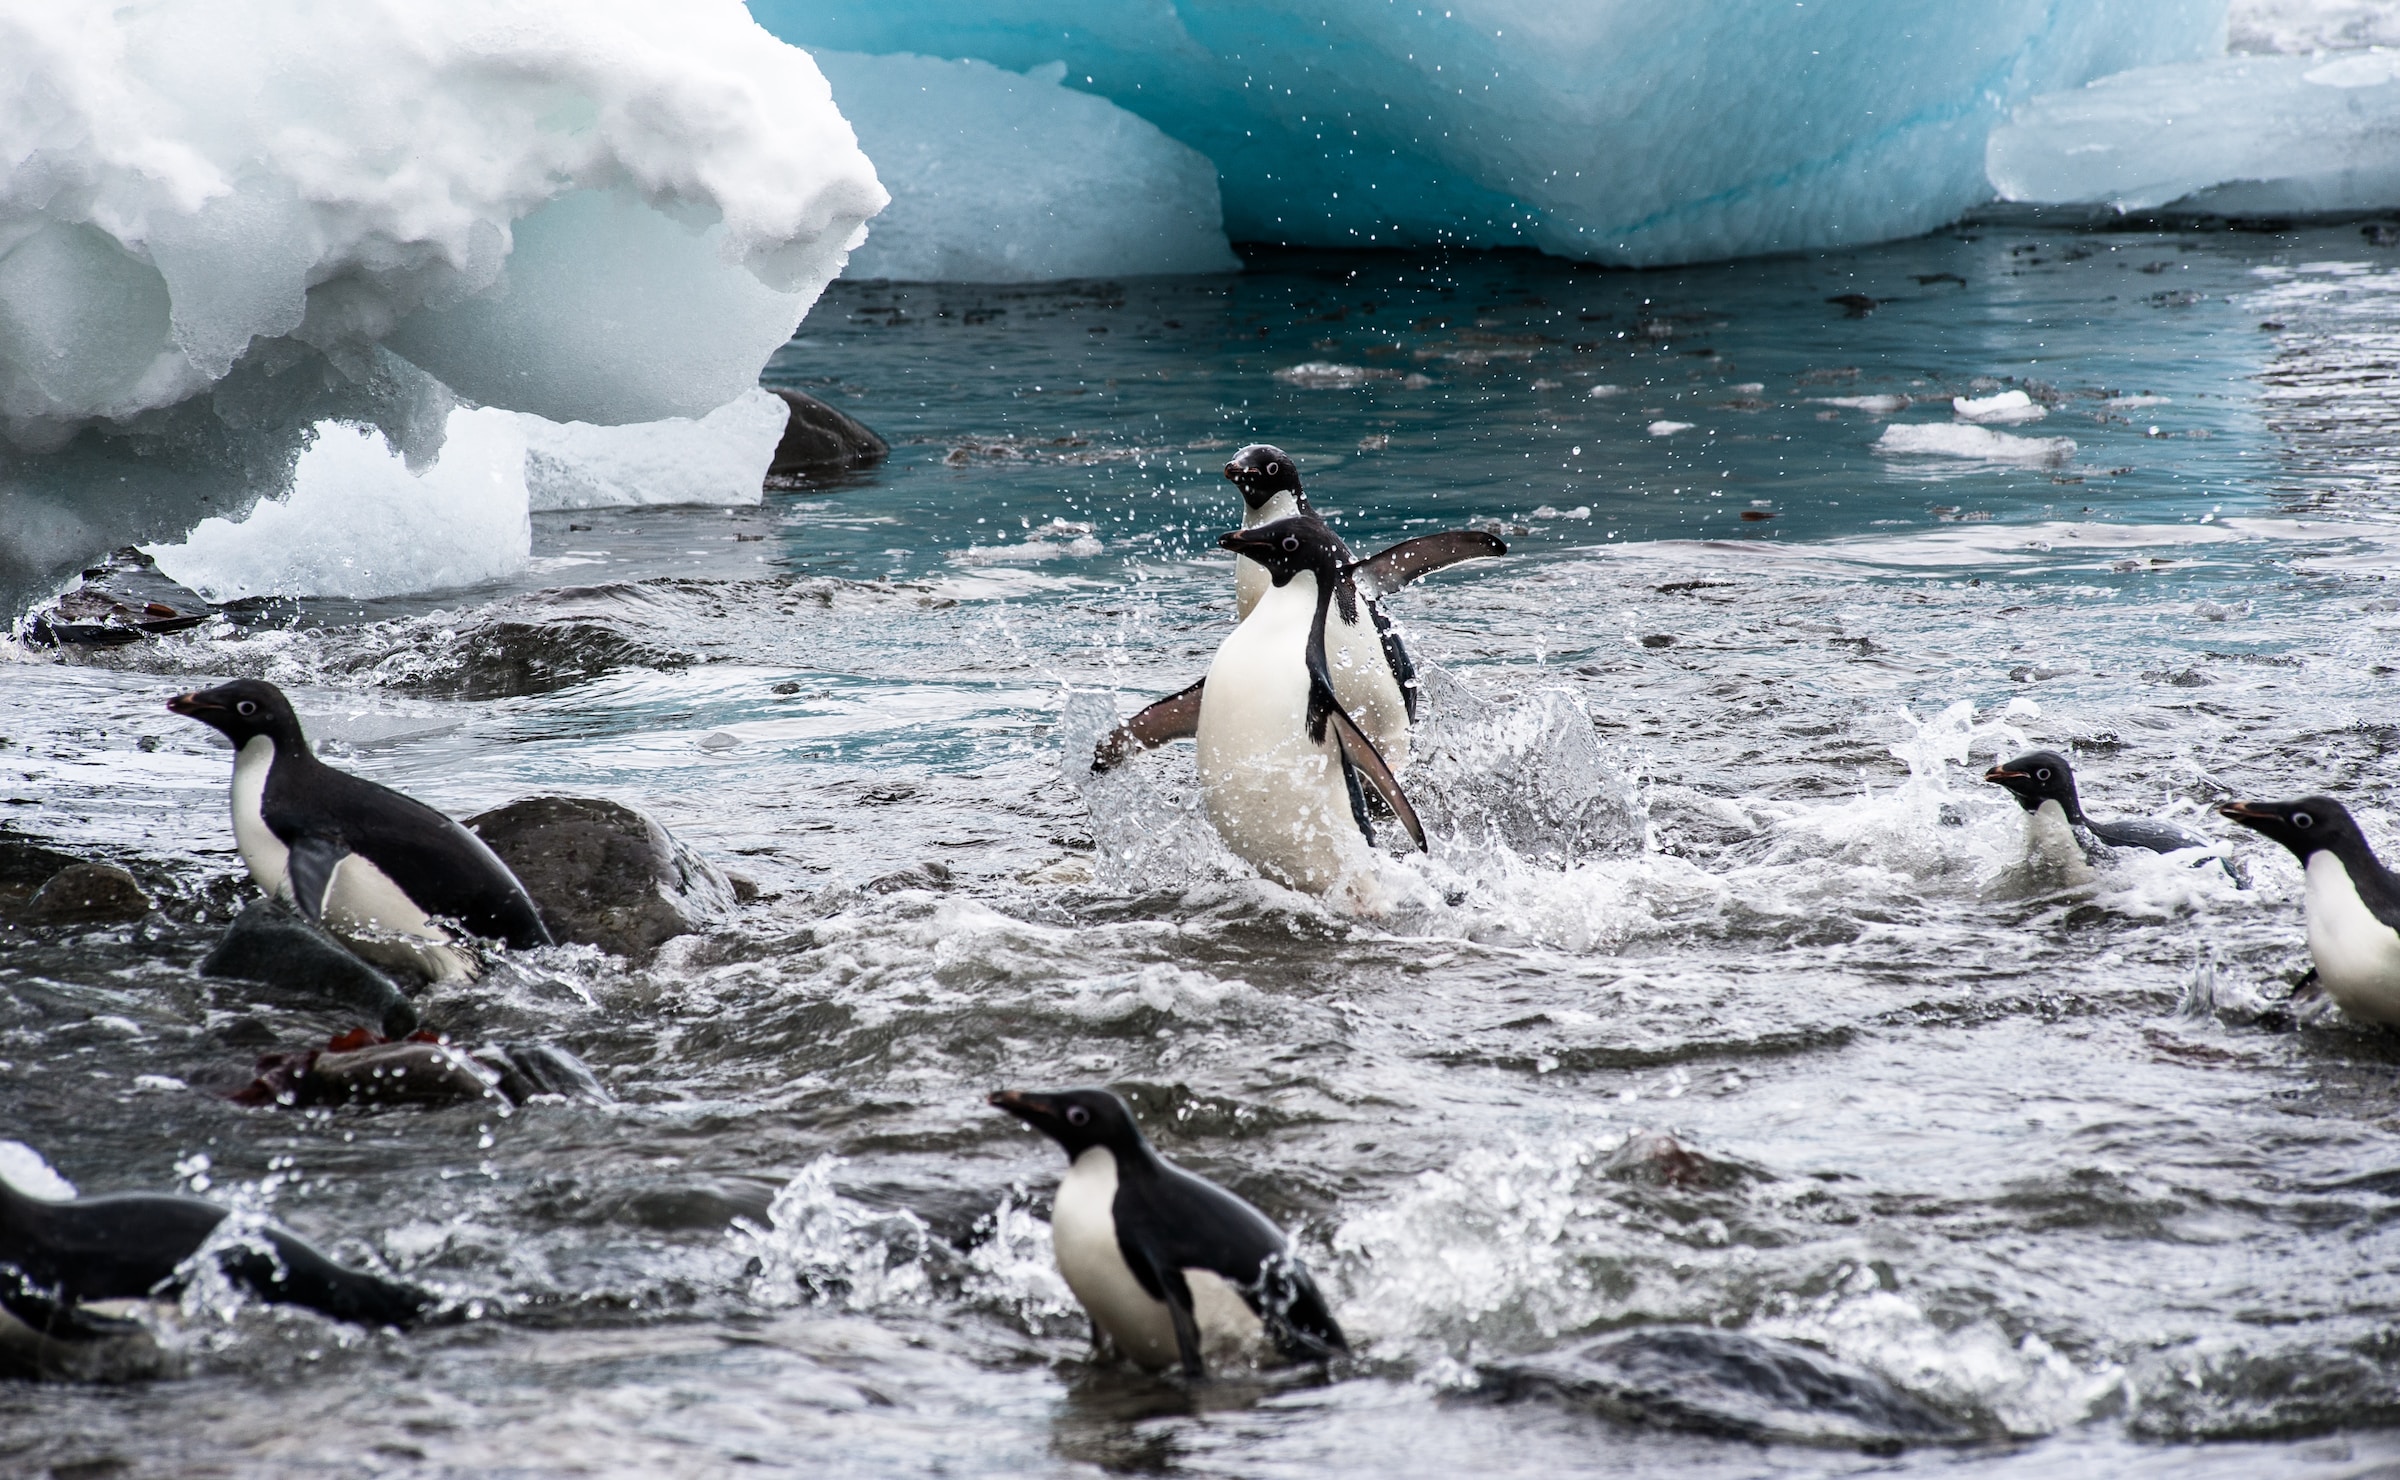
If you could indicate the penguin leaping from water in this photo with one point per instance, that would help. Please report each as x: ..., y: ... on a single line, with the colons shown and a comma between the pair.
x: 376, y: 867
x: 2351, y: 900
x: 1173, y: 1268
x: 2057, y: 832
x: 1372, y: 673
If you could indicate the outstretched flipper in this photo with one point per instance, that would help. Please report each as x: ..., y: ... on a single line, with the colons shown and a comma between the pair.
x: 1176, y: 717
x: 1360, y: 755
x: 309, y: 872
x: 1381, y: 575
x: 1293, y: 1311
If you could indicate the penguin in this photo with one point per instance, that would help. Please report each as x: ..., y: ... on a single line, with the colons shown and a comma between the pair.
x: 1172, y: 1268
x: 2352, y: 902
x: 374, y: 866
x: 1284, y: 770
x: 60, y: 1254
x: 1373, y: 675
x: 2057, y: 832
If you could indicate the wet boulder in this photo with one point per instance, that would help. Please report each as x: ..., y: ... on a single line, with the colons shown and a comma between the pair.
x: 87, y: 894
x: 123, y: 599
x: 273, y: 946
x: 25, y: 866
x: 1702, y: 1380
x: 604, y: 874
x: 819, y: 440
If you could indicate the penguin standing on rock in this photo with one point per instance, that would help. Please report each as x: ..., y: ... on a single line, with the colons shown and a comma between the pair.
x: 2057, y: 832
x: 2351, y: 900
x: 376, y: 867
x: 1372, y: 673
x: 1172, y: 1268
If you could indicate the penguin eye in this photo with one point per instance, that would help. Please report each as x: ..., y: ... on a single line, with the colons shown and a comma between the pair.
x: 245, y: 707
x: 1291, y: 542
x: 1077, y: 1115
x: 2302, y: 819
x: 1273, y: 469
x: 2041, y: 773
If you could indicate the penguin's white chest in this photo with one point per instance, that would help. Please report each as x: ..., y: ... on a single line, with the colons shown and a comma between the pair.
x: 1278, y: 798
x: 268, y: 858
x: 2051, y: 844
x: 1250, y: 579
x: 1083, y: 1234
x: 1364, y: 683
x: 2357, y: 956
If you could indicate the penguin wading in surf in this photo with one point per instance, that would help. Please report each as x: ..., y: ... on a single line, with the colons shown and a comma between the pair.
x: 1174, y: 1269
x: 1372, y: 674
x: 373, y: 866
x: 2351, y: 901
x: 1284, y: 771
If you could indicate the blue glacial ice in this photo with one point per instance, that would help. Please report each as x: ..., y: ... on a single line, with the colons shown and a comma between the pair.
x: 1621, y: 132
x: 1000, y: 176
x: 2239, y: 136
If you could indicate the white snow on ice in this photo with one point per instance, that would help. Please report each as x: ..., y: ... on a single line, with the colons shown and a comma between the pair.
x: 23, y: 1168
x: 720, y: 458
x: 1961, y: 439
x: 2005, y: 409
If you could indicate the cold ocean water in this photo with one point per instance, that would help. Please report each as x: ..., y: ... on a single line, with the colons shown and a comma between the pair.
x: 1711, y: 862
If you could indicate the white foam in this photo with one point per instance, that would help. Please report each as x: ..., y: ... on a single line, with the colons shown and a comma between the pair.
x: 717, y: 459
x: 359, y: 523
x: 1000, y: 176
x: 23, y: 1168
x: 1956, y: 439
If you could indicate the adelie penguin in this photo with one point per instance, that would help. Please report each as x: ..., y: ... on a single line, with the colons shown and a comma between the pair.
x: 2058, y: 834
x: 61, y: 1254
x: 1174, y: 1270
x: 377, y: 868
x: 1372, y: 674
x: 2351, y: 900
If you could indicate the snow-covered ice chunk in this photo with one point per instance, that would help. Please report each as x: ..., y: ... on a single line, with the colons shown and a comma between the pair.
x: 1960, y: 439
x: 1006, y: 177
x: 2005, y: 409
x: 2251, y: 135
x: 358, y: 523
x: 1883, y: 405
x: 1325, y: 375
x: 1667, y: 428
x: 1612, y: 132
x: 720, y: 458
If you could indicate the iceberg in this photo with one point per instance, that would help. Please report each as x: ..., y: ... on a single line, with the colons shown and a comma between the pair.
x: 2240, y: 136
x: 227, y: 223
x: 1002, y: 177
x: 1612, y: 131
x: 718, y: 459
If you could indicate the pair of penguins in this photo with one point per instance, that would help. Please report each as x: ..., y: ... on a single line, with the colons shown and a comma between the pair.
x: 2350, y: 900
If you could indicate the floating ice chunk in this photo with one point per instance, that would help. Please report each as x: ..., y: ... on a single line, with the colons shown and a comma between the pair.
x: 1954, y: 439
x: 1875, y: 405
x: 2005, y: 409
x: 23, y: 1168
x: 2238, y: 136
x: 1612, y: 132
x: 2134, y: 403
x: 720, y: 458
x: 1323, y: 375
x: 1580, y: 511
x: 1006, y: 177
x: 1603, y: 392
x: 358, y: 523
x: 1667, y: 428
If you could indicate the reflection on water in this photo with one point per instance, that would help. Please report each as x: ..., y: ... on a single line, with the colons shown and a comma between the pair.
x: 1714, y: 886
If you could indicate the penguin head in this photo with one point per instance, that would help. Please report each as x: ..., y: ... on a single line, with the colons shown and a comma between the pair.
x: 1077, y: 1119
x: 242, y: 711
x: 2308, y: 825
x: 2036, y: 777
x: 1290, y: 546
x: 1261, y: 472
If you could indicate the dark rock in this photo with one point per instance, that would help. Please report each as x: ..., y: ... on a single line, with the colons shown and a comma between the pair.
x: 271, y: 945
x: 25, y: 866
x: 604, y: 874
x: 817, y: 440
x: 122, y: 599
x: 930, y: 874
x: 515, y: 660
x: 1659, y: 1160
x: 87, y: 894
x: 530, y: 1069
x: 1703, y: 1380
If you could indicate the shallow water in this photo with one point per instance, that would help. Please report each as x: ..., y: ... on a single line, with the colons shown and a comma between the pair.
x: 1710, y: 860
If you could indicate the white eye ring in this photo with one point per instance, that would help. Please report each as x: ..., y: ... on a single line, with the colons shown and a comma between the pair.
x: 1273, y: 469
x: 1291, y: 542
x: 245, y: 707
x: 2302, y: 819
x: 1077, y: 1115
x: 2041, y: 773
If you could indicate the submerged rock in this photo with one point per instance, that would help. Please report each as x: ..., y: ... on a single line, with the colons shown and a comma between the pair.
x: 271, y: 945
x: 123, y: 599
x: 819, y: 439
x: 25, y: 866
x: 604, y: 874
x: 362, y: 1068
x: 87, y: 894
x: 1703, y: 1380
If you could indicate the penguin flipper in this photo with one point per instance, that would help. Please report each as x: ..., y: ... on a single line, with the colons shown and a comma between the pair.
x: 1292, y: 1309
x: 1380, y: 575
x: 1187, y: 1325
x: 309, y: 872
x: 1367, y: 762
x: 1176, y: 717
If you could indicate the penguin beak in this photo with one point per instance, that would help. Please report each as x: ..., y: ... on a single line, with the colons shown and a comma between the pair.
x: 2002, y: 775
x: 1245, y: 542
x: 2249, y: 814
x: 1032, y: 1109
x: 1233, y: 472
x: 194, y: 705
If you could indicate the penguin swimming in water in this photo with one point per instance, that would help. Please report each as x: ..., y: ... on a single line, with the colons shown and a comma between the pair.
x: 1284, y: 770
x: 2057, y: 832
x: 60, y: 1253
x: 2352, y: 902
x: 1372, y: 673
x: 1174, y: 1269
x: 374, y: 866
